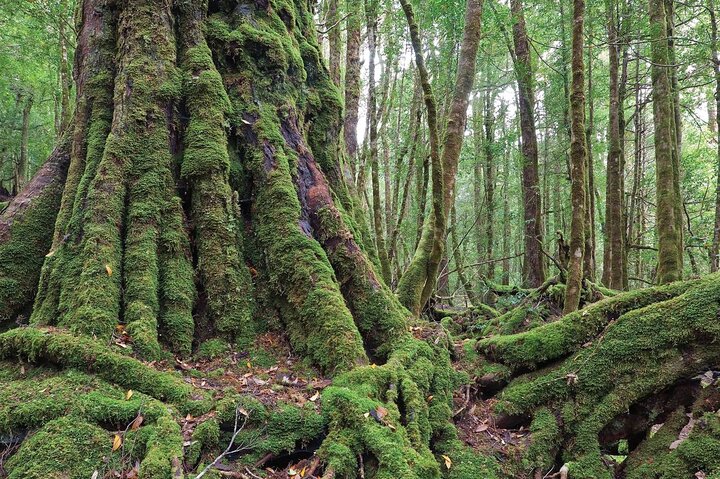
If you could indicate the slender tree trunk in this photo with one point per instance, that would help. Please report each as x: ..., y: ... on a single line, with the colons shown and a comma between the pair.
x: 715, y: 45
x: 670, y: 238
x: 573, y: 287
x: 352, y: 82
x: 478, y: 174
x: 418, y: 282
x: 489, y: 167
x: 23, y: 164
x: 614, y: 230
x: 534, y: 263
x: 64, y: 75
x: 371, y: 11
x: 589, y: 253
x: 334, y: 40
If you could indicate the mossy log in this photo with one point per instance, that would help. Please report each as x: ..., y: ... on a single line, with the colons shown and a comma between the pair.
x: 610, y: 372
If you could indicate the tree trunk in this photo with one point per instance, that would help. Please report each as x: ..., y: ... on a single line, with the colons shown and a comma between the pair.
x: 670, y: 238
x: 418, y: 283
x: 352, y: 82
x: 489, y: 169
x: 533, y: 263
x: 23, y: 164
x: 374, y: 166
x: 578, y: 155
x: 614, y: 230
x: 715, y: 59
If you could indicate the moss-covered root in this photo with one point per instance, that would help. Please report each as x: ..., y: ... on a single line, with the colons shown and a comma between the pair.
x: 26, y: 228
x: 224, y: 277
x: 565, y: 336
x: 70, y: 351
x: 65, y: 413
x: 389, y: 416
x: 641, y: 353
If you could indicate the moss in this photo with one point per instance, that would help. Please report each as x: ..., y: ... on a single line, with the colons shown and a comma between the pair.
x: 64, y: 448
x: 164, y: 451
x: 212, y: 348
x: 639, y: 353
x: 86, y: 354
x: 394, y: 412
x: 22, y: 253
x: 205, y: 164
x: 205, y: 436
x: 564, y: 336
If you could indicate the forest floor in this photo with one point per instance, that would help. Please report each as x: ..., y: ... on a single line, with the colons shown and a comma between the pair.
x: 272, y: 374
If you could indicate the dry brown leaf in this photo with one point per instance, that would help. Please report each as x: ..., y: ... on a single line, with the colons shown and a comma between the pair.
x: 137, y: 422
x: 117, y: 442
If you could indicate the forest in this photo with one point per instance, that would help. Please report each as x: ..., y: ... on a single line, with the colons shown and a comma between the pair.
x: 359, y: 239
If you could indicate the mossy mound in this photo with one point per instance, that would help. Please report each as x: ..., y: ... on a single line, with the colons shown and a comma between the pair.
x: 598, y: 364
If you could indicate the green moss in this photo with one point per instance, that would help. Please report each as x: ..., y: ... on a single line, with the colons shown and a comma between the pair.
x: 23, y: 252
x: 564, y: 336
x: 212, y: 348
x: 164, y: 451
x: 637, y: 354
x: 64, y: 448
x: 88, y: 355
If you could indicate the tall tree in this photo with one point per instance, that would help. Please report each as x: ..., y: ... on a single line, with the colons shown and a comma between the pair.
x: 352, y: 81
x: 715, y: 60
x: 418, y: 283
x: 373, y: 113
x: 578, y: 161
x: 614, y: 223
x: 670, y: 259
x: 534, y: 263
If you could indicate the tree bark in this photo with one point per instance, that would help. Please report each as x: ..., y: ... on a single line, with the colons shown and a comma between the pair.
x: 614, y: 230
x: 715, y: 59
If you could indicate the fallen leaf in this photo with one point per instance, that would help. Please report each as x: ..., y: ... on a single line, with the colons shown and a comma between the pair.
x: 189, y: 417
x: 117, y: 442
x: 137, y: 422
x: 448, y: 462
x: 95, y: 474
x: 381, y: 412
x: 249, y: 365
x: 243, y: 412
x: 128, y: 394
x: 108, y: 269
x: 315, y: 396
x: 481, y: 428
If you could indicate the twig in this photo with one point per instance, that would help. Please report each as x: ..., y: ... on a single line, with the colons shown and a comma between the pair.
x: 229, y: 449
